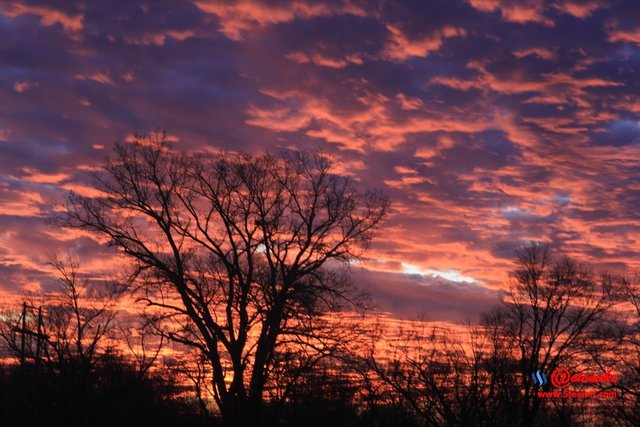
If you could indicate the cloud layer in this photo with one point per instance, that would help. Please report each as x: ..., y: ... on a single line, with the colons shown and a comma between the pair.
x: 489, y: 123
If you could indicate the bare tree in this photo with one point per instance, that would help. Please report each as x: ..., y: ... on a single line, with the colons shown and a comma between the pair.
x: 65, y: 326
x: 555, y: 313
x: 624, y: 354
x: 143, y: 344
x: 550, y: 318
x: 440, y: 377
x: 197, y: 373
x: 239, y: 252
x: 62, y: 339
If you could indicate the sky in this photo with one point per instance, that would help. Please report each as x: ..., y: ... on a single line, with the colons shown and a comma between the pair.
x: 489, y: 123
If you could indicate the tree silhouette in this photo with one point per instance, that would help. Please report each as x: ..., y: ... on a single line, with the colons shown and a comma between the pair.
x: 550, y: 318
x: 65, y: 326
x: 624, y: 353
x: 238, y: 254
x: 70, y: 369
x: 552, y: 315
x: 438, y: 376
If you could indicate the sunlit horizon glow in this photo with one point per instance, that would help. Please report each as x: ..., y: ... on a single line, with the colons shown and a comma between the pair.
x: 487, y: 123
x: 452, y: 275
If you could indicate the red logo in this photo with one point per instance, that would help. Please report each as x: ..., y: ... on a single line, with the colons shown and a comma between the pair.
x: 562, y: 378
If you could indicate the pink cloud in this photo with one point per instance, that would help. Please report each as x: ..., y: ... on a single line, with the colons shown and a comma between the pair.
x: 580, y: 9
x: 627, y: 36
x: 159, y: 39
x: 20, y: 203
x: 323, y: 60
x: 247, y: 15
x: 537, y: 51
x: 372, y: 126
x: 24, y: 86
x: 519, y: 11
x: 98, y: 76
x: 401, y: 46
x: 48, y: 16
x: 37, y: 177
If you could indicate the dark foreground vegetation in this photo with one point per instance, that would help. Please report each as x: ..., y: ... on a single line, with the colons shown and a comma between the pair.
x: 111, y: 393
x: 240, y: 315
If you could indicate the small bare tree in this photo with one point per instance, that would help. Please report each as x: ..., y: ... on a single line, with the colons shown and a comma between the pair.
x: 65, y: 326
x: 440, y: 378
x: 61, y: 338
x: 550, y: 317
x: 624, y: 354
x: 553, y: 315
x: 240, y: 253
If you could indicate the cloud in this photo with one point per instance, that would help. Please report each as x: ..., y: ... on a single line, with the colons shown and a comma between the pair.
x: 401, y: 47
x: 98, y: 77
x: 488, y: 123
x: 580, y: 9
x: 47, y: 16
x: 322, y: 60
x: 430, y: 297
x: 627, y: 36
x: 537, y: 51
x: 32, y: 175
x: 518, y: 11
x: 370, y: 124
x: 159, y: 39
x: 23, y: 86
x: 247, y: 15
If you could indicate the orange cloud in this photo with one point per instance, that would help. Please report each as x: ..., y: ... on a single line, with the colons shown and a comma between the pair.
x: 48, y: 16
x: 159, y: 39
x: 580, y: 9
x: 322, y: 60
x: 247, y: 15
x: 372, y: 126
x: 518, y: 83
x: 279, y: 119
x: 626, y: 36
x: 23, y: 86
x: 408, y: 177
x: 401, y: 47
x: 409, y: 103
x: 538, y: 51
x: 20, y: 203
x: 520, y: 11
x: 98, y: 76
x: 35, y: 176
